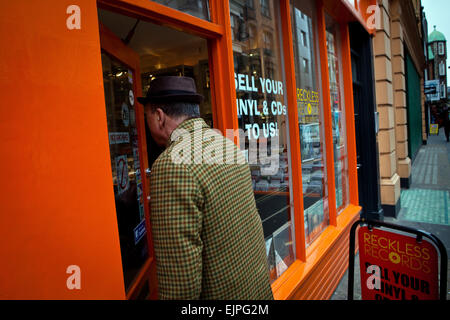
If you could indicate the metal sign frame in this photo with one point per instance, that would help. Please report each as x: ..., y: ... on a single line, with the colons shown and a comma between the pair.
x: 419, y: 236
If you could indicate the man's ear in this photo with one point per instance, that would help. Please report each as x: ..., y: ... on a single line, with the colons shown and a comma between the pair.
x: 160, y: 117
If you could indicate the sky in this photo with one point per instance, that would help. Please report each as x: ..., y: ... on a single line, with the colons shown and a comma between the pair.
x: 438, y: 14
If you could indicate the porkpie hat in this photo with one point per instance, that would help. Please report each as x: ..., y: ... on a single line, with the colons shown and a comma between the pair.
x: 171, y: 89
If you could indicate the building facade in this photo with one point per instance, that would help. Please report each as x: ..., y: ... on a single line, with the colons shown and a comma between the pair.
x: 399, y: 68
x: 284, y: 75
x: 437, y: 74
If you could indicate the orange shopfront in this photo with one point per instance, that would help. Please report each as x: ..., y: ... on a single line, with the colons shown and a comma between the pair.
x: 76, y: 150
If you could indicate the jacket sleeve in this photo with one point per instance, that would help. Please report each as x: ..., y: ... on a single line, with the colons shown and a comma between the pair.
x: 176, y: 222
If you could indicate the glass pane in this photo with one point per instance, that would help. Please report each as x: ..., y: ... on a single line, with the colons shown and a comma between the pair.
x: 197, y: 8
x: 161, y: 51
x: 338, y: 116
x: 310, y: 117
x: 262, y: 114
x: 127, y: 178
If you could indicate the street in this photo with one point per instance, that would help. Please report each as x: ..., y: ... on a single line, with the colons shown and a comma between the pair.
x: 425, y: 206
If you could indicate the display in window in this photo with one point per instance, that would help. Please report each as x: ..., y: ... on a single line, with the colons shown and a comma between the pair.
x: 337, y: 114
x: 310, y: 117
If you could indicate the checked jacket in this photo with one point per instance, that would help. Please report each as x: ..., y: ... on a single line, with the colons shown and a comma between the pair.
x: 207, y: 233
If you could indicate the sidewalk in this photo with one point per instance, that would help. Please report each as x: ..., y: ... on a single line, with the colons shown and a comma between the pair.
x: 425, y: 206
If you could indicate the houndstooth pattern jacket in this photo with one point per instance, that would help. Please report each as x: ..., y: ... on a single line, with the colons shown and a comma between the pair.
x: 207, y: 233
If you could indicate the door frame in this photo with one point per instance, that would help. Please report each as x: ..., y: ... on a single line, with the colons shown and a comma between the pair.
x: 111, y: 44
x: 220, y: 48
x: 368, y: 174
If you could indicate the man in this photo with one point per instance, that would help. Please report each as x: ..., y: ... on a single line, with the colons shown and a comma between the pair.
x: 446, y: 124
x: 207, y: 233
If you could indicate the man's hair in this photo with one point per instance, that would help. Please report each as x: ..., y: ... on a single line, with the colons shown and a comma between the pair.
x: 177, y: 109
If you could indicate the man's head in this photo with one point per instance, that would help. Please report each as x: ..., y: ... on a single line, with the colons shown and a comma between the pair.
x: 170, y: 101
x: 163, y: 118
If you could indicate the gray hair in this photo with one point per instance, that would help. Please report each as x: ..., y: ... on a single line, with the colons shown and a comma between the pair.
x: 177, y: 109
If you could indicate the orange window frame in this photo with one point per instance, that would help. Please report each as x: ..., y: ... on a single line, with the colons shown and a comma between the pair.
x: 114, y: 47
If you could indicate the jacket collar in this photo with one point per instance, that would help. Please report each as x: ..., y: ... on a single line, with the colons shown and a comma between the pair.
x: 190, y: 125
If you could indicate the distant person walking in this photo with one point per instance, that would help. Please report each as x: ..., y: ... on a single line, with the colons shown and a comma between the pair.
x: 445, y: 116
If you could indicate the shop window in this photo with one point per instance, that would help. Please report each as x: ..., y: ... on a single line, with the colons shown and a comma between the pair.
x: 337, y: 114
x: 196, y: 8
x: 262, y: 117
x: 310, y: 118
x: 156, y: 51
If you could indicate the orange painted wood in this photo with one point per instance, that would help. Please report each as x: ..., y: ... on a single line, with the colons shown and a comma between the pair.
x: 349, y: 115
x: 158, y: 13
x: 294, y: 134
x: 57, y: 202
x: 343, y: 11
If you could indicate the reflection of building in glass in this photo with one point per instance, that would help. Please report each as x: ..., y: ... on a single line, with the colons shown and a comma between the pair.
x: 337, y: 117
x: 197, y: 8
x: 315, y: 201
x: 303, y: 42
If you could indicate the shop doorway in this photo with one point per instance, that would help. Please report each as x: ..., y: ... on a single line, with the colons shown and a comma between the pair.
x: 365, y: 122
x: 134, y: 52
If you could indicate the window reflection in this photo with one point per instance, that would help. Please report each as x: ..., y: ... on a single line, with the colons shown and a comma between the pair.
x: 310, y: 117
x: 125, y: 165
x: 196, y: 8
x: 338, y: 116
x: 160, y: 51
x: 262, y: 113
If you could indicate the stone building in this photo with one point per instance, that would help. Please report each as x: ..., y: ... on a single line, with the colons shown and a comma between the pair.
x: 400, y: 61
x: 437, y: 72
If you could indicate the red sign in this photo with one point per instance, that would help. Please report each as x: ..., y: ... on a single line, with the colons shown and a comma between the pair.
x: 396, y: 267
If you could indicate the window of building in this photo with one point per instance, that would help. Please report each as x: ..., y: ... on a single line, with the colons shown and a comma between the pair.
x: 442, y: 66
x: 263, y: 121
x: 441, y: 49
x: 337, y: 114
x: 443, y: 91
x: 305, y: 66
x: 196, y: 8
x: 265, y: 8
x: 310, y: 119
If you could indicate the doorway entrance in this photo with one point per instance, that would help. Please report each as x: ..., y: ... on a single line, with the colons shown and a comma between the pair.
x: 365, y: 122
x: 134, y: 52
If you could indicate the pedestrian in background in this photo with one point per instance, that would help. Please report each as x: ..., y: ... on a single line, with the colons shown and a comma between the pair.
x: 446, y: 120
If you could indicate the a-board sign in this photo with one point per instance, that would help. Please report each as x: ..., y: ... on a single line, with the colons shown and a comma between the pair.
x: 434, y: 129
x: 396, y: 266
